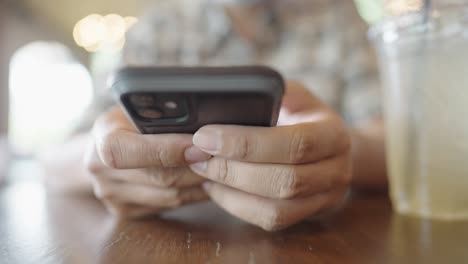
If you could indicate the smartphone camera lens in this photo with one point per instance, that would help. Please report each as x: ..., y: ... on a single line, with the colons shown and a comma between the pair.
x: 150, y: 113
x: 143, y: 100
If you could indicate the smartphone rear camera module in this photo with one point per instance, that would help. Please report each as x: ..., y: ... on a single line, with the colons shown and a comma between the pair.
x: 159, y: 108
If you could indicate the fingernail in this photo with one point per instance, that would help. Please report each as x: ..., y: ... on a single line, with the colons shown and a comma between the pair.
x: 207, y: 186
x: 193, y: 155
x: 209, y: 140
x: 199, y: 166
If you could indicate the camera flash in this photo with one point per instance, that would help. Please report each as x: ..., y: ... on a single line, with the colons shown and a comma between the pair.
x: 170, y: 105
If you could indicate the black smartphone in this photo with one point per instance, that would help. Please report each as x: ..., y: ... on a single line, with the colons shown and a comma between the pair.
x: 183, y: 99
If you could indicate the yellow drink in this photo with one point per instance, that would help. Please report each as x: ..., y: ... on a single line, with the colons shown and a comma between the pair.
x: 425, y: 77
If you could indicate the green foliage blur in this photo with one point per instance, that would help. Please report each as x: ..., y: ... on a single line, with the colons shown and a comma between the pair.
x: 372, y: 11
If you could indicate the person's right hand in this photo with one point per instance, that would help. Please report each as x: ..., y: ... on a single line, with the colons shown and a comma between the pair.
x: 137, y: 175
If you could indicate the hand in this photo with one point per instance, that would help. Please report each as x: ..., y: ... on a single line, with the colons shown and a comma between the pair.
x: 276, y: 177
x: 137, y: 175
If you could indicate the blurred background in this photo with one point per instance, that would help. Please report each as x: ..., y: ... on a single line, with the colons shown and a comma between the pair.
x: 51, y: 53
x: 55, y: 57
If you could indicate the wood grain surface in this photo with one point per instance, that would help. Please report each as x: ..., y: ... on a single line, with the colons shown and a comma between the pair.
x: 36, y: 227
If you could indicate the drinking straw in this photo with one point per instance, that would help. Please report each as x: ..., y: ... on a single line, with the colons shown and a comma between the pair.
x: 427, y: 9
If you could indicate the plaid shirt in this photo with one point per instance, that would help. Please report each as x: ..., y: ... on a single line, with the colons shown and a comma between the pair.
x: 321, y: 43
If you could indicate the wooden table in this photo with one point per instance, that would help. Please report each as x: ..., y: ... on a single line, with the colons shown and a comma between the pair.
x: 36, y: 227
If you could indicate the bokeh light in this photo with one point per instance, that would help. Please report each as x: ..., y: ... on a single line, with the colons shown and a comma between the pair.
x: 373, y: 11
x: 399, y: 7
x: 102, y: 33
x: 46, y: 106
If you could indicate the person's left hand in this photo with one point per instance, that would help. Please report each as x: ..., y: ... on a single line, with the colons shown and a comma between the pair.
x: 276, y: 177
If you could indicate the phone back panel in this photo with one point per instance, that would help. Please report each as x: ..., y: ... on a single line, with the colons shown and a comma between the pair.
x: 249, y: 96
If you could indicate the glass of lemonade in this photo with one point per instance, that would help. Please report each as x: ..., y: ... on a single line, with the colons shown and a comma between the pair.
x: 424, y: 71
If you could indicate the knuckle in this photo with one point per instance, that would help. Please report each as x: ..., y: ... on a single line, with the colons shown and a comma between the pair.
x: 223, y: 171
x: 103, y: 191
x: 161, y: 178
x: 110, y: 150
x: 179, y: 177
x: 344, y: 138
x: 244, y: 147
x: 167, y: 180
x: 162, y: 156
x: 176, y: 199
x: 274, y: 221
x: 300, y: 146
x: 93, y: 167
x: 291, y: 184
